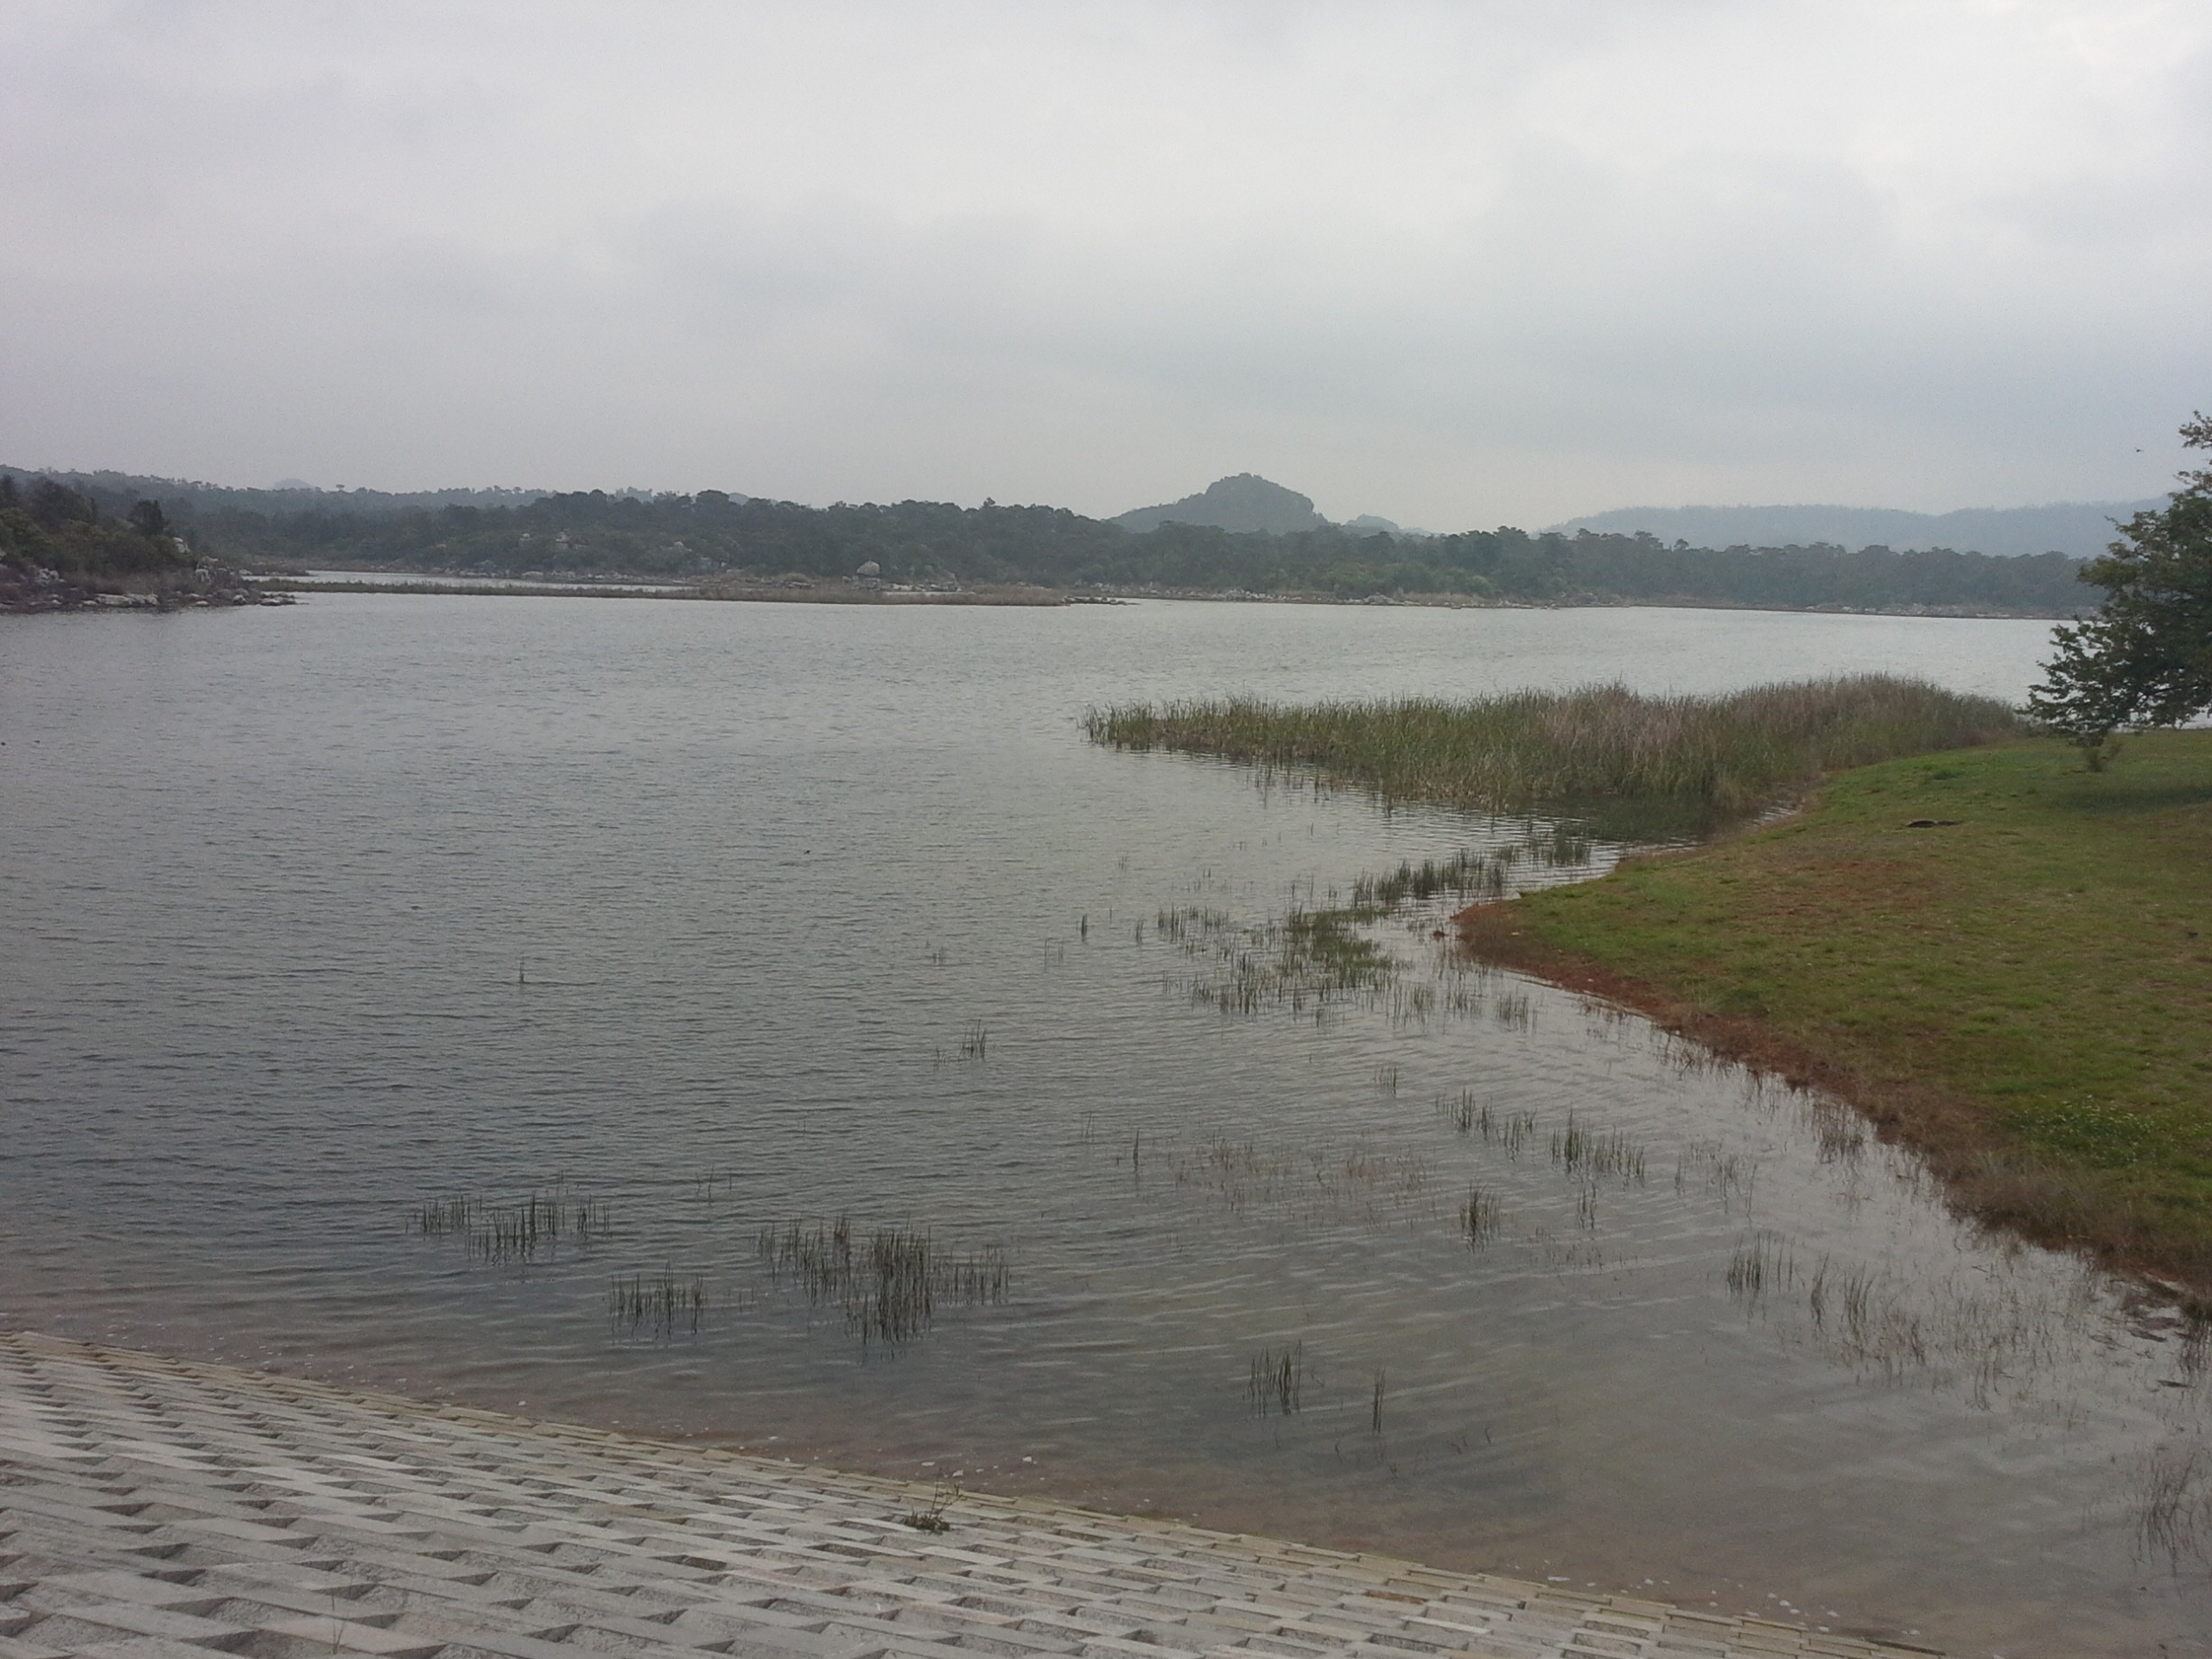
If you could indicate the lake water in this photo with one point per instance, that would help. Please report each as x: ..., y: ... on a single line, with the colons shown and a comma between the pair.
x: 708, y: 919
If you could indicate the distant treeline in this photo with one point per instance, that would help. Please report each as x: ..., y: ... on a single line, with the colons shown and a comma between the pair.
x: 712, y: 534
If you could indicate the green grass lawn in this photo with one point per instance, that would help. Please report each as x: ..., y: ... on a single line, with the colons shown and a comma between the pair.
x: 2026, y: 993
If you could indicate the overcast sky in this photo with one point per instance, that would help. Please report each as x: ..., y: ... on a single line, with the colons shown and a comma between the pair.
x: 1459, y: 265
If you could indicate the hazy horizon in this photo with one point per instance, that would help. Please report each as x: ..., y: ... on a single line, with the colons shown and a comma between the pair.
x: 1600, y: 518
x: 1449, y: 264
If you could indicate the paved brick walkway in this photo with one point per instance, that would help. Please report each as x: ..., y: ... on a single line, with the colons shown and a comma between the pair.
x: 155, y: 1510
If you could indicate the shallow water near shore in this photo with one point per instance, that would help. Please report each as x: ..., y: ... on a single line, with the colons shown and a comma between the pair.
x: 702, y: 920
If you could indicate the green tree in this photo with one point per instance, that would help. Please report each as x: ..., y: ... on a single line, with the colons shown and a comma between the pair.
x: 2145, y: 658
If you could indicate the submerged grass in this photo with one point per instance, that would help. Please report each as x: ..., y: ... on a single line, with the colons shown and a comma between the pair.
x: 1603, y: 743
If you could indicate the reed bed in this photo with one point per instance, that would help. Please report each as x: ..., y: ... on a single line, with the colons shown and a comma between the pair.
x: 888, y: 1280
x: 1733, y: 754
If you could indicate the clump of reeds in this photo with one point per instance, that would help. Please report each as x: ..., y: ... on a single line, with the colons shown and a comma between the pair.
x: 1732, y: 753
x: 887, y: 1281
x: 1587, y: 1153
x: 1191, y: 922
x: 1766, y: 1260
x: 1308, y: 959
x: 2172, y: 1515
x: 1840, y: 1130
x: 1480, y: 1218
x: 1277, y: 1384
x: 661, y: 1304
x: 1730, y: 1173
x: 513, y: 1232
x: 1242, y: 1174
x: 1469, y: 1116
x: 1464, y: 876
x: 1586, y: 1204
x: 436, y: 1218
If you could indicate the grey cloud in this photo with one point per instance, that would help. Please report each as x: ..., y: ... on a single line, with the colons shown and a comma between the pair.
x: 1452, y: 263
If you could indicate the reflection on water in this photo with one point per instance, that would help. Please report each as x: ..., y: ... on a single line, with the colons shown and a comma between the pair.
x: 776, y: 1025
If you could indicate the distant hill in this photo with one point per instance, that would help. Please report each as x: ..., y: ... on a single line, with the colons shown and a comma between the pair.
x: 2078, y: 528
x: 1245, y: 503
x: 1371, y: 524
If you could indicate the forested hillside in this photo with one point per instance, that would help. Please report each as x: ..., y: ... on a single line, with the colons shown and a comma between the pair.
x: 714, y: 535
x: 57, y: 547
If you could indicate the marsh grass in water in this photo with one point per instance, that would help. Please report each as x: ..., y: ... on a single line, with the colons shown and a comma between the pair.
x: 1508, y: 1129
x: 1468, y: 875
x: 2001, y: 958
x: 1480, y: 1218
x: 1727, y: 755
x: 1464, y: 876
x: 1316, y: 1187
x: 1986, y: 1336
x: 526, y: 1230
x: 1764, y: 1261
x: 1597, y: 1153
x: 1276, y: 1383
x: 888, y: 1281
x: 2174, y: 1506
x: 659, y: 1306
x: 1305, y: 961
x: 1733, y: 1175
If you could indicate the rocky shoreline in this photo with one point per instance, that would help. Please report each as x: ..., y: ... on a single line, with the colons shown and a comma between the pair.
x: 31, y: 589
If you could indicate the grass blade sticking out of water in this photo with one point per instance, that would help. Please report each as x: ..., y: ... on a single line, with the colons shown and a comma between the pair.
x: 1277, y: 1384
x: 1722, y: 756
x: 2174, y: 1510
x: 1480, y: 1218
x: 1764, y: 1262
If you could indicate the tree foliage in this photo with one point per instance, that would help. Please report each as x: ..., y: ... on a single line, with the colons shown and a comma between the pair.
x: 2145, y: 658
x: 56, y: 540
x: 712, y: 535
